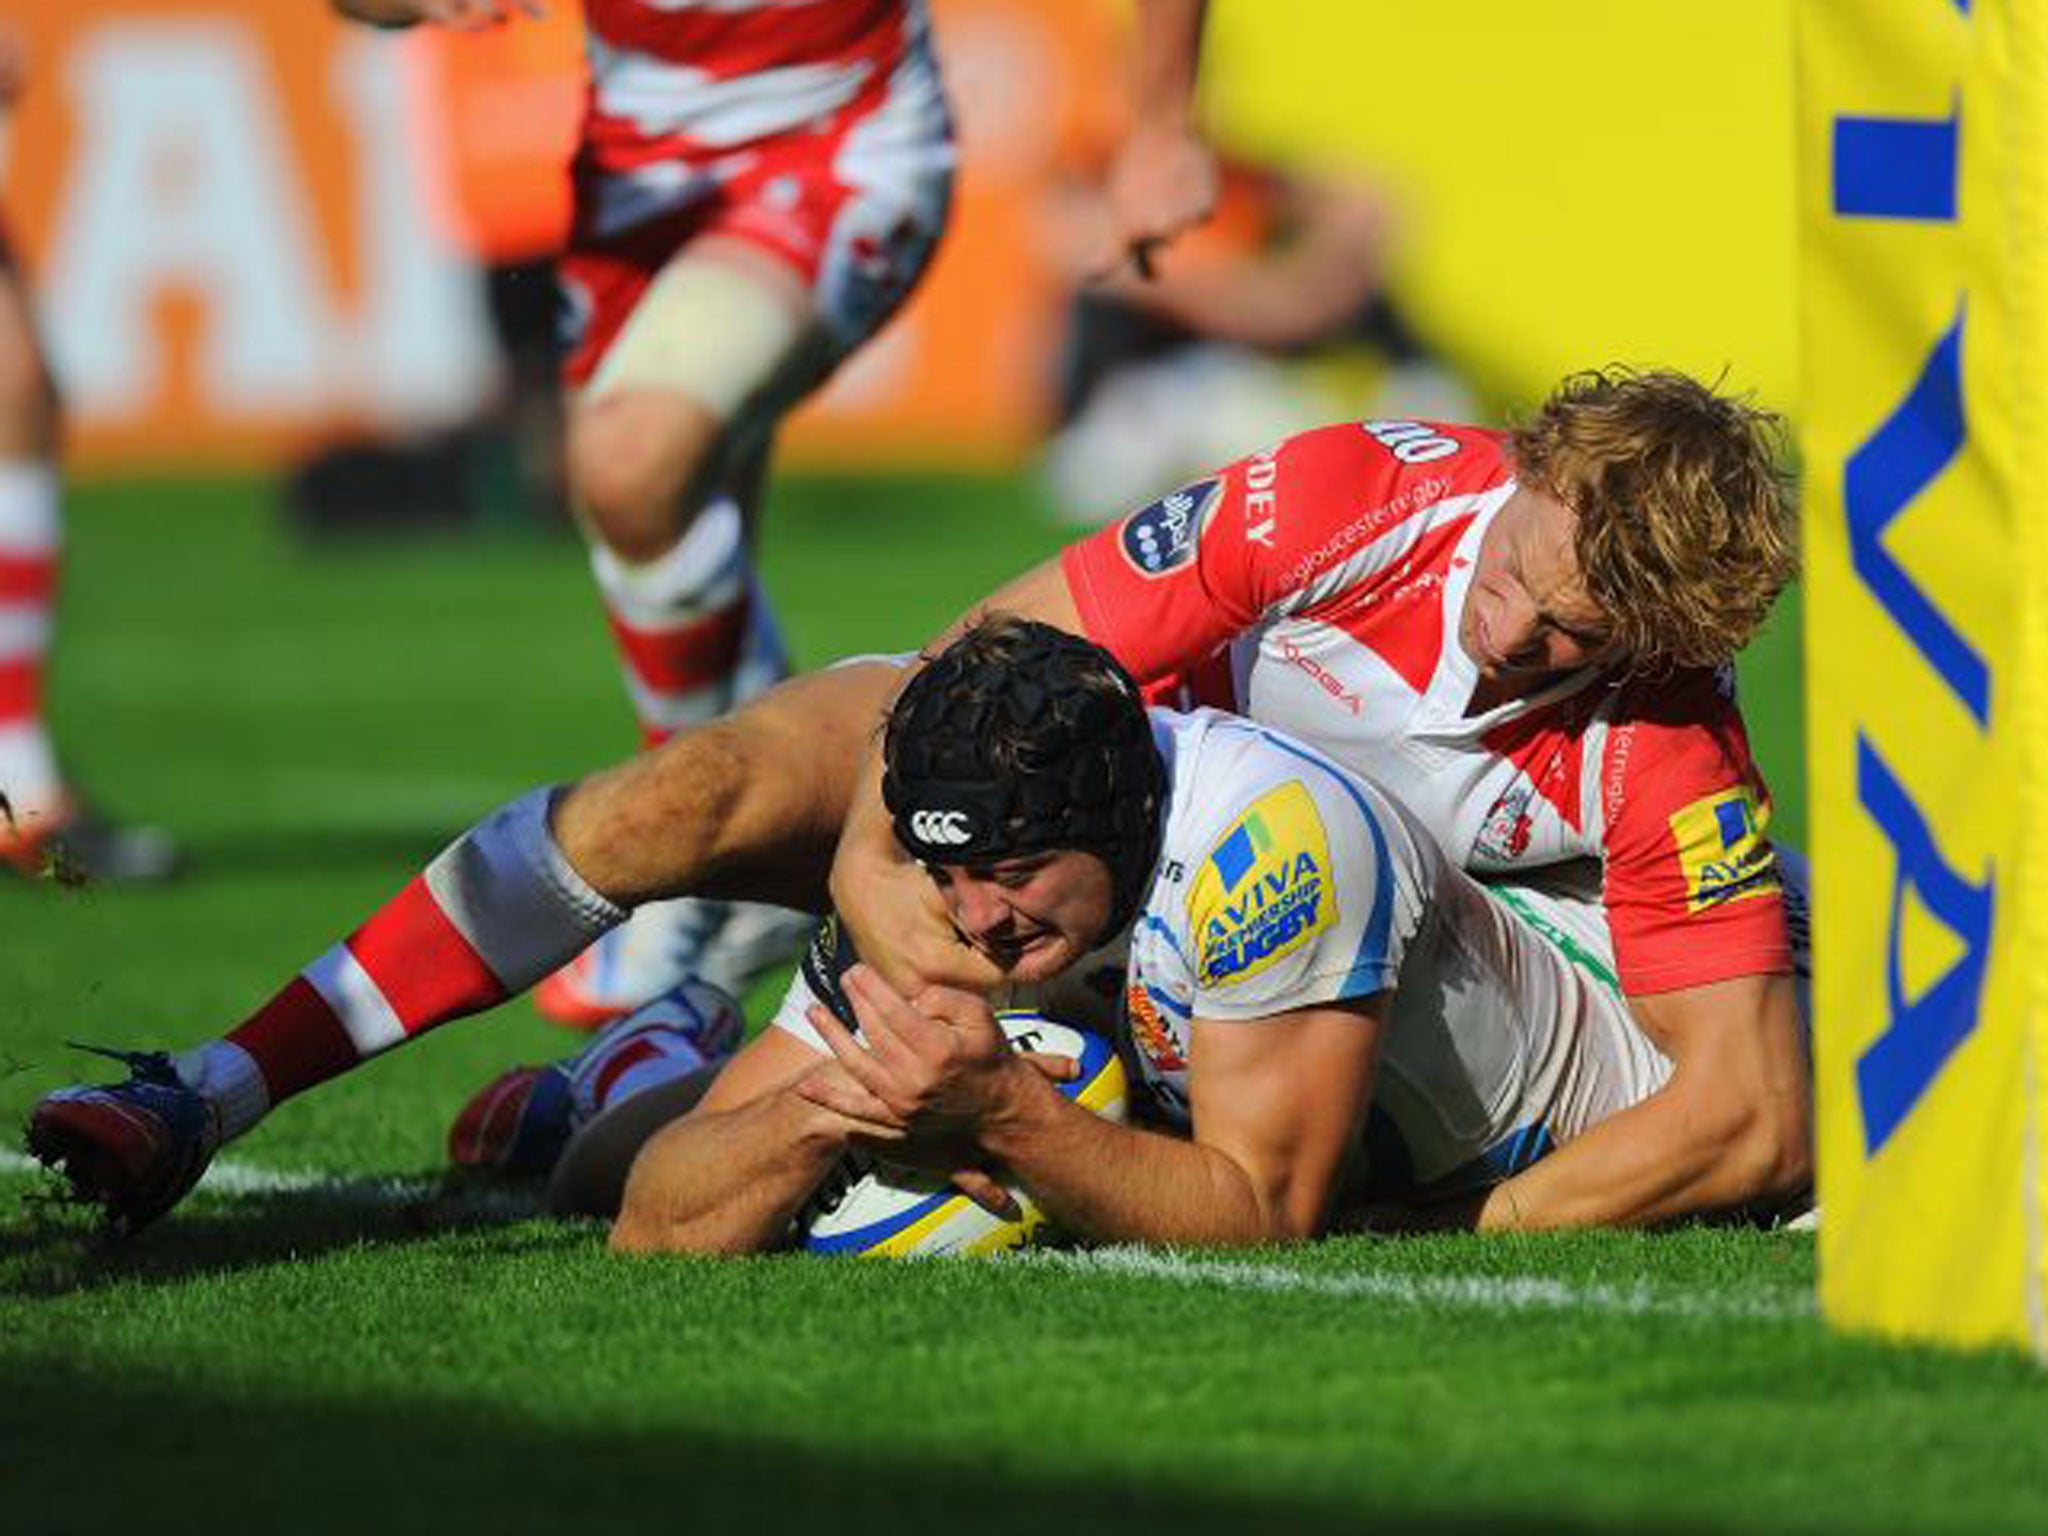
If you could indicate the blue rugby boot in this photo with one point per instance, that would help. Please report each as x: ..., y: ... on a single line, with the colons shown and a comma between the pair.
x: 133, y: 1149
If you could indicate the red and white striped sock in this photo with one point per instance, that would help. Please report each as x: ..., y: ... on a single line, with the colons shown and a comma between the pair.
x: 693, y: 628
x: 495, y: 911
x: 30, y: 535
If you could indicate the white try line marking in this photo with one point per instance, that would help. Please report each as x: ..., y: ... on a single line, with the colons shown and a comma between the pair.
x: 1498, y: 1293
x: 231, y: 1176
x: 1483, y: 1293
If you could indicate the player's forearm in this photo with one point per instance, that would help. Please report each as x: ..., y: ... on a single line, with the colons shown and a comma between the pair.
x: 888, y: 905
x: 1668, y: 1158
x: 1106, y: 1182
x: 1169, y: 48
x: 379, y: 13
x: 730, y: 1182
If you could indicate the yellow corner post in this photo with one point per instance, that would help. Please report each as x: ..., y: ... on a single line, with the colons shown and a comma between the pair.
x: 1923, y: 173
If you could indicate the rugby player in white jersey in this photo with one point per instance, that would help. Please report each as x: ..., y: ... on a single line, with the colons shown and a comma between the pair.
x: 1521, y: 638
x: 1321, y: 1009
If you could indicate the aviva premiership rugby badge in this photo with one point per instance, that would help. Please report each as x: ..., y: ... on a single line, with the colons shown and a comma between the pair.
x: 1264, y: 890
x: 1723, y: 850
x: 1163, y: 536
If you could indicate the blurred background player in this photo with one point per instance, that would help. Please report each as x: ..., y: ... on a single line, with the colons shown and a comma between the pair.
x: 1275, y: 315
x: 758, y: 187
x: 47, y: 827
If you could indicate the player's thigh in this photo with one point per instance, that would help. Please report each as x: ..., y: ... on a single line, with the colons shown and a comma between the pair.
x: 745, y: 807
x: 673, y: 405
x: 1588, y: 1055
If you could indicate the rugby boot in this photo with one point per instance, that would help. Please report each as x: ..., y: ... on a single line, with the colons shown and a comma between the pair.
x: 520, y: 1121
x: 134, y: 1149
x: 517, y: 1124
x: 74, y: 845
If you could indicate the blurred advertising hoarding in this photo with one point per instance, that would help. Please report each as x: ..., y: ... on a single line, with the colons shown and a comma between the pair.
x: 219, y: 204
x: 253, y: 226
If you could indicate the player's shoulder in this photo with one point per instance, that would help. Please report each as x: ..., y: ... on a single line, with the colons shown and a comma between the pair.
x: 1269, y: 851
x: 1690, y: 701
x: 1233, y: 781
x: 1676, y: 747
x: 1439, y: 458
x: 1330, y: 494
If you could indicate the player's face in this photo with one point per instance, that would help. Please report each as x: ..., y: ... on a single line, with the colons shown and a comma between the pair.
x: 1033, y: 916
x: 1527, y: 617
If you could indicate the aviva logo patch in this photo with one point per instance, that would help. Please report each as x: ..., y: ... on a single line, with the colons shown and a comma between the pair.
x: 1264, y: 890
x: 1723, y: 850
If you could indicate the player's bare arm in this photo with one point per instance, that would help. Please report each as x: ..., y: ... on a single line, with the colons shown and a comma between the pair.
x: 730, y: 1176
x: 1276, y: 1105
x: 1732, y: 1128
x: 1164, y: 179
x: 458, y: 15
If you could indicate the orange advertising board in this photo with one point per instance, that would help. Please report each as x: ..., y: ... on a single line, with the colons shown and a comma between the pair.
x: 253, y: 226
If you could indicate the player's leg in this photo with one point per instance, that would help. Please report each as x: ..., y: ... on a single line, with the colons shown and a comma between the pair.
x: 586, y: 1120
x: 746, y: 807
x: 1509, y: 1035
x: 520, y: 1124
x: 667, y: 447
x: 30, y: 534
x: 802, y: 257
x: 1538, y: 1030
x: 44, y: 824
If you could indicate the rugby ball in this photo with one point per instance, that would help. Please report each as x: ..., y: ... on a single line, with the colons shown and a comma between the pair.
x: 871, y: 1208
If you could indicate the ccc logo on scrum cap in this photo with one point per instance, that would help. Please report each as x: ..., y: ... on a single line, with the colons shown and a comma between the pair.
x: 944, y: 829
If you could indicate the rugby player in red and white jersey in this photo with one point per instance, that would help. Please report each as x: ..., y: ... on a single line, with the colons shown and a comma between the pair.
x: 759, y: 185
x: 1521, y: 636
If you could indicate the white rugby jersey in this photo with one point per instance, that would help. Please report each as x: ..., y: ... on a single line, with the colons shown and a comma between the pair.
x: 1317, y: 588
x: 1285, y: 882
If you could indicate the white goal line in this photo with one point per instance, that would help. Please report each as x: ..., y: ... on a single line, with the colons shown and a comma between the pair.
x: 1490, y: 1293
x: 1486, y: 1293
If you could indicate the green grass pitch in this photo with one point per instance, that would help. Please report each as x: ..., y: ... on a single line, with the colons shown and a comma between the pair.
x: 331, y: 1337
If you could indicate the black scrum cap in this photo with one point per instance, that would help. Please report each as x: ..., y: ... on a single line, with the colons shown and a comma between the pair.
x: 1020, y: 738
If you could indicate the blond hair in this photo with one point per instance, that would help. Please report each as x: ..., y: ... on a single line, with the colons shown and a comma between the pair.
x: 1684, y: 528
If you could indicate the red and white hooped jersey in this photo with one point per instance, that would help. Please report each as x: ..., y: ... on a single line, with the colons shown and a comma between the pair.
x: 692, y: 80
x: 1317, y: 587
x: 816, y: 130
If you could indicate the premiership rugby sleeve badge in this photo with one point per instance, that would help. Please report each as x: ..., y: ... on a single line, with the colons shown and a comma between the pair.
x: 1722, y: 848
x: 1265, y: 889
